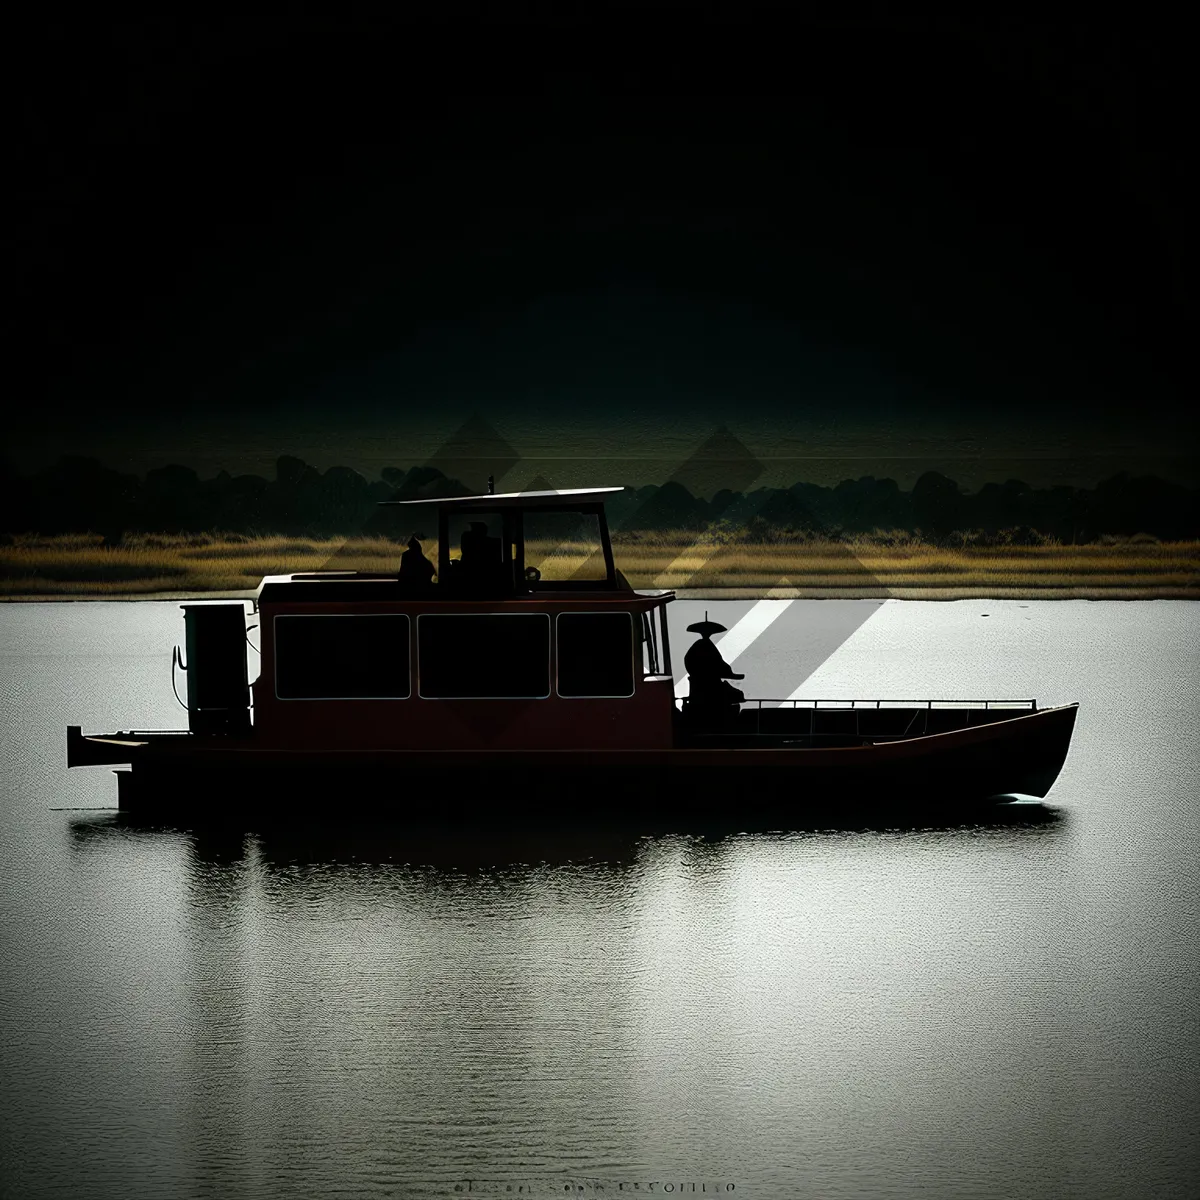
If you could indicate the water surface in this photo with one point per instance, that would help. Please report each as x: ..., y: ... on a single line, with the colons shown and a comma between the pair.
x: 1003, y: 1010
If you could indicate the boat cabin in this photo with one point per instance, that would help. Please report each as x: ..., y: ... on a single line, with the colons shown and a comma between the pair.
x: 524, y: 635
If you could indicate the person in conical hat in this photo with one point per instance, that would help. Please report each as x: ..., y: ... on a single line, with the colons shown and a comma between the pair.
x: 708, y: 672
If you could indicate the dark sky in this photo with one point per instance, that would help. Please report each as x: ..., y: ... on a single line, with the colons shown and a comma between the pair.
x: 864, y: 248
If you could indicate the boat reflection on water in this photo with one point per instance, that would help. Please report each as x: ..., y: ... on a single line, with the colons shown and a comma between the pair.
x: 618, y: 843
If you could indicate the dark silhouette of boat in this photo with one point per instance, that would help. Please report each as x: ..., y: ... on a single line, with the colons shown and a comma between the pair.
x: 530, y: 682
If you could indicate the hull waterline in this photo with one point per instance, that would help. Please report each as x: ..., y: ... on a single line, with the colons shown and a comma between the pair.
x: 957, y: 770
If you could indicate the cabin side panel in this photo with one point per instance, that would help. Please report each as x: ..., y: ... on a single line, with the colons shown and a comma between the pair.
x: 573, y: 677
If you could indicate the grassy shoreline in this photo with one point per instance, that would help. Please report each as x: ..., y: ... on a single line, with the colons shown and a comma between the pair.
x: 79, y: 567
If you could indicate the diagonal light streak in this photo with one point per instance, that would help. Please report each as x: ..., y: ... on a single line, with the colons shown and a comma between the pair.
x: 804, y: 691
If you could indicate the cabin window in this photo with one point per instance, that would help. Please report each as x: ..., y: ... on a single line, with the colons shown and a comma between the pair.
x: 595, y: 654
x: 651, y: 656
x: 656, y: 647
x: 342, y: 657
x: 564, y: 546
x: 486, y: 656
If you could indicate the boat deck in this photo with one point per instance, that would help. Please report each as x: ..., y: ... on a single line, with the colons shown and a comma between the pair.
x: 817, y: 723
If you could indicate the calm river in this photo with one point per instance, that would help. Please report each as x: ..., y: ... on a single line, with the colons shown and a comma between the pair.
x: 1005, y: 1011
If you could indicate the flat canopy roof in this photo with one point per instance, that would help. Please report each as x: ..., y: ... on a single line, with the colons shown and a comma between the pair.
x: 521, y: 499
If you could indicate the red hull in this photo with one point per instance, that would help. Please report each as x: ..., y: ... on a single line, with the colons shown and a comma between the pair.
x: 1022, y: 754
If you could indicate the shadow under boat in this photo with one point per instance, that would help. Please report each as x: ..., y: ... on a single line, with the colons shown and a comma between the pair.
x: 581, y: 839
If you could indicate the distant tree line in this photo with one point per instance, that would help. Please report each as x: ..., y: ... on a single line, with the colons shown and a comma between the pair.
x: 80, y: 495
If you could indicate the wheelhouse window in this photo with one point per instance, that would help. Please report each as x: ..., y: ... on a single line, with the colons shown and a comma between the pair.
x: 595, y: 654
x: 486, y: 656
x: 564, y: 546
x: 476, y: 549
x: 342, y: 657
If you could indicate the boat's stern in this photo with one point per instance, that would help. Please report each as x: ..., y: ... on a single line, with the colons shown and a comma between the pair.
x: 106, y: 750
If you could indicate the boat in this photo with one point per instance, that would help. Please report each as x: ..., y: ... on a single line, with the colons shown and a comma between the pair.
x: 523, y: 678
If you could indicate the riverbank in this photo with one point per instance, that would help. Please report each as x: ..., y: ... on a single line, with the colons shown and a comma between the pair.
x: 180, y: 567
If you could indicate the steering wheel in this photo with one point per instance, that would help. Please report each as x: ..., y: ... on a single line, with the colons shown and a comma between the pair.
x: 532, y: 574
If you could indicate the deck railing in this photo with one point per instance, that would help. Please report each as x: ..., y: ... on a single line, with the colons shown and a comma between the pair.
x: 875, y: 704
x: 918, y: 708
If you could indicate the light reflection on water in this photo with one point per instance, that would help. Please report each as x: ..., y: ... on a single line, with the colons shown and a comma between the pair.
x: 698, y: 1001
x: 257, y: 1011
